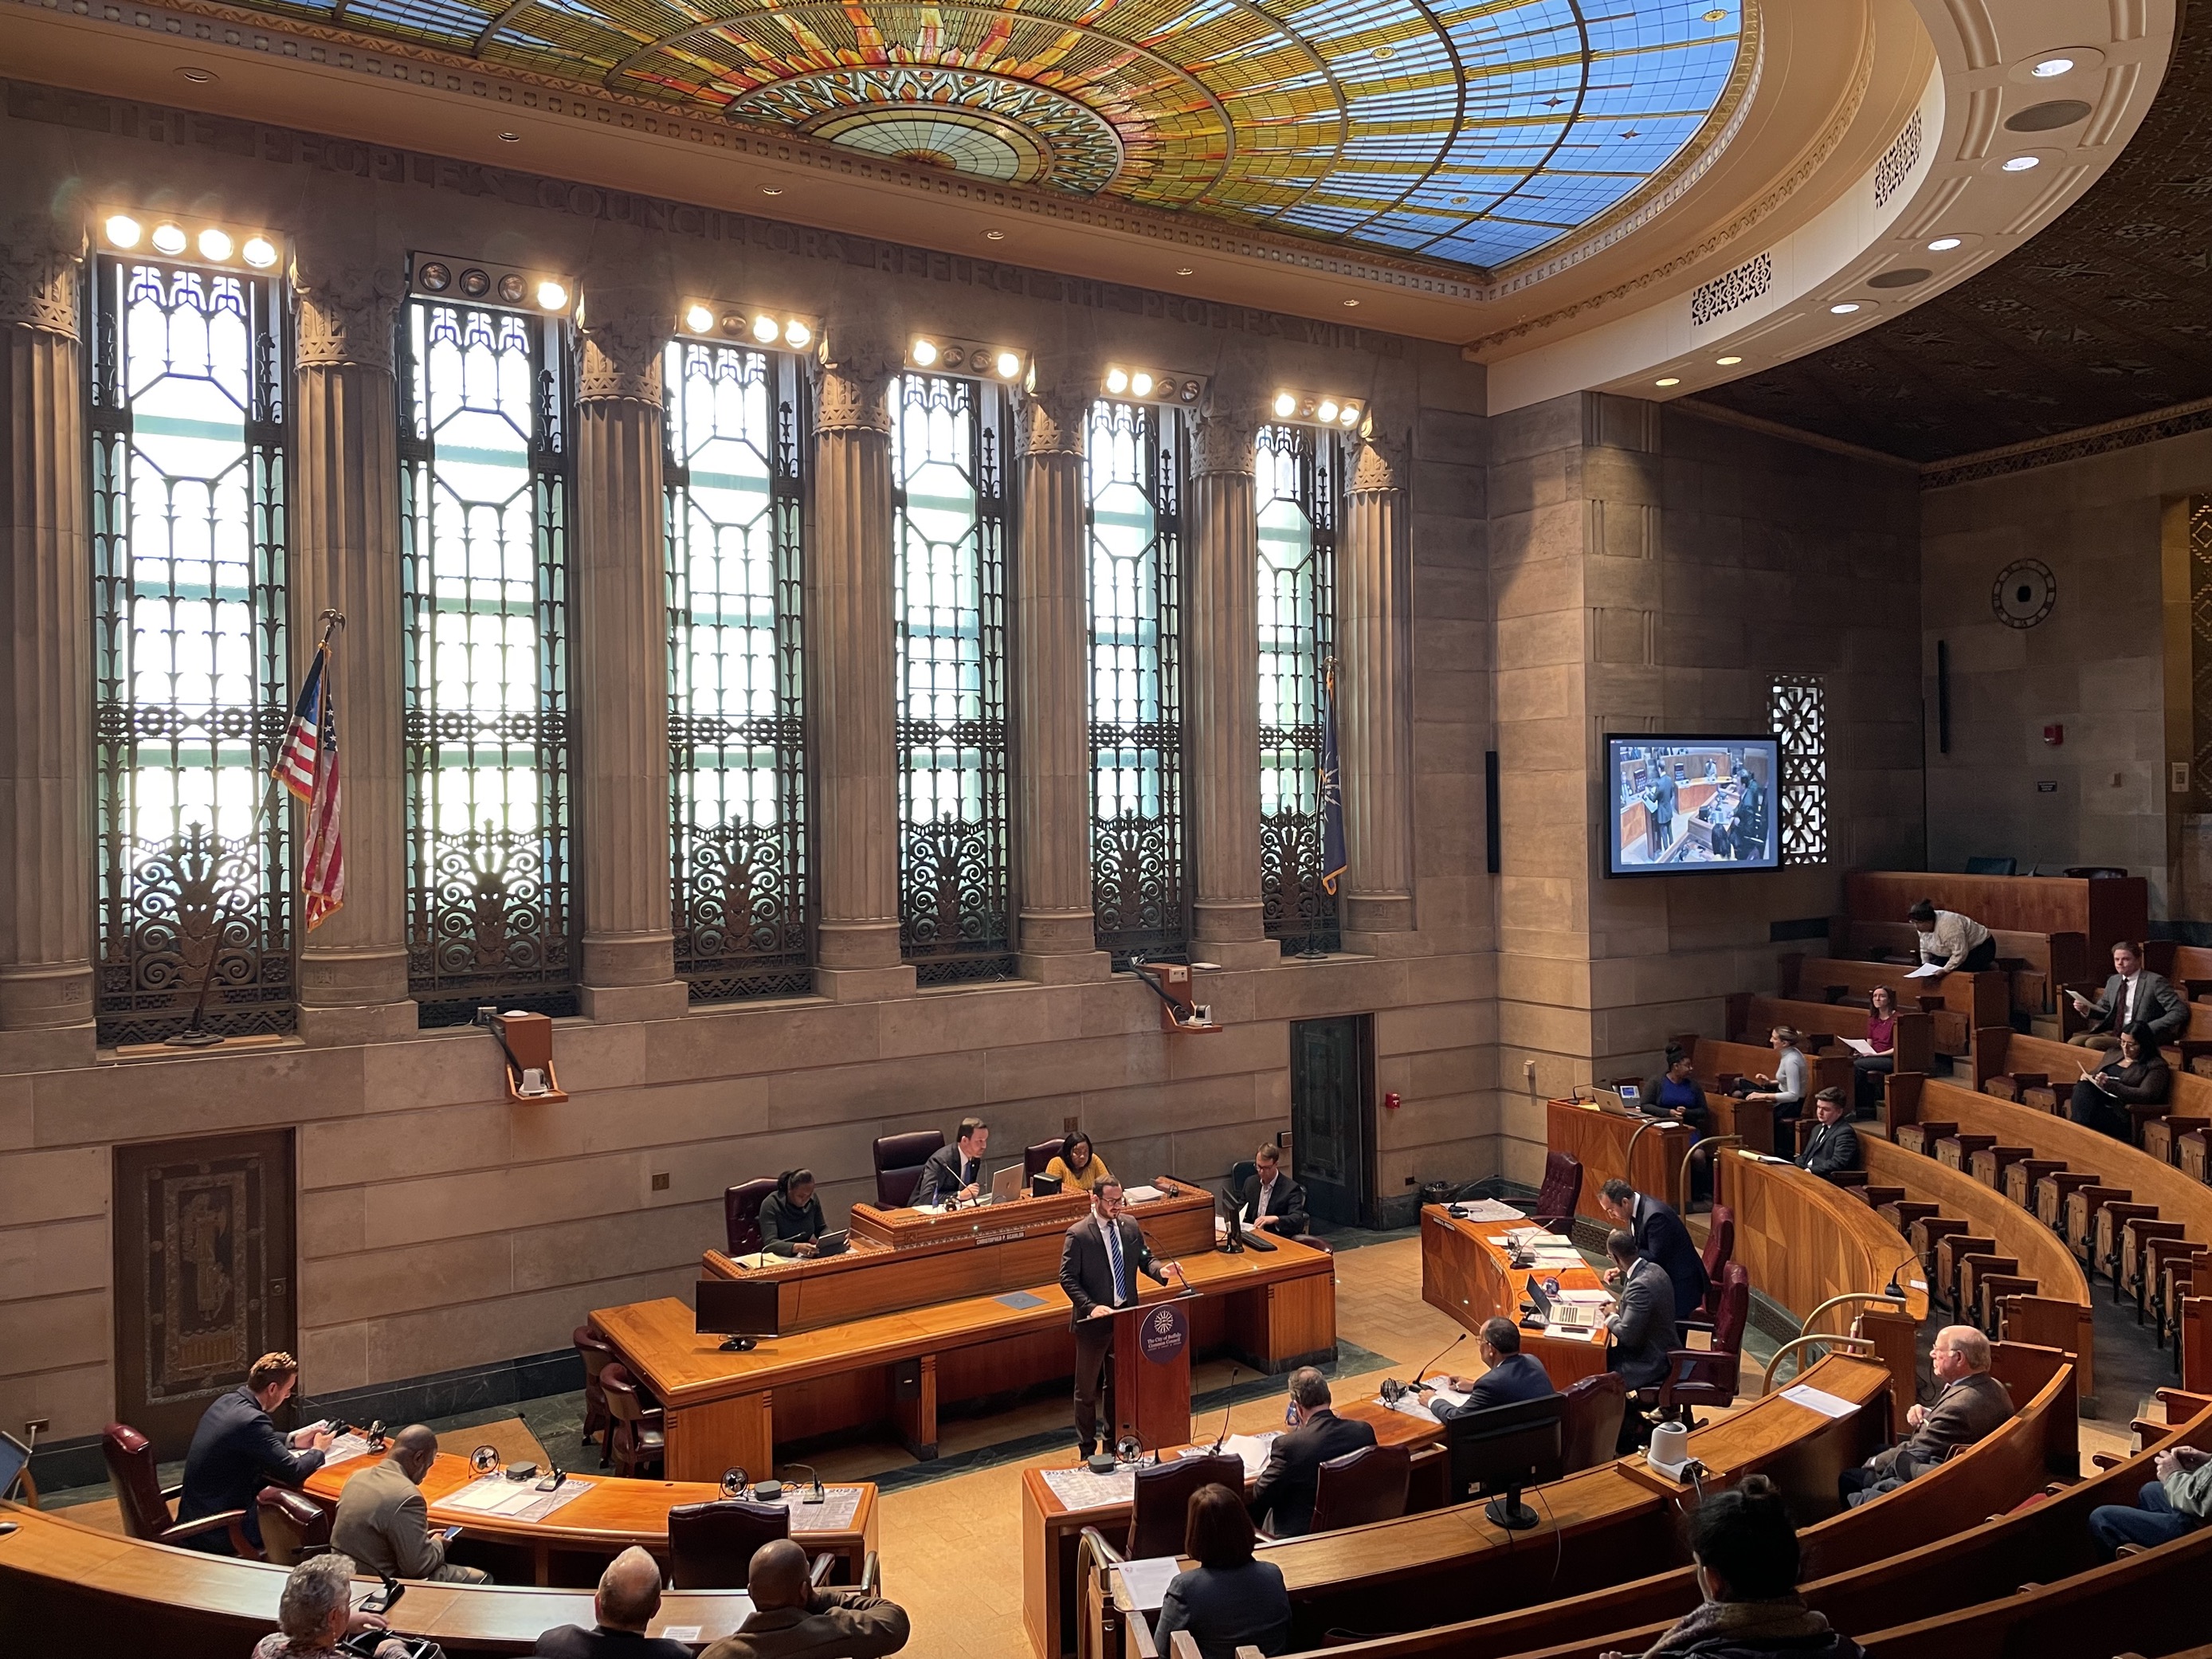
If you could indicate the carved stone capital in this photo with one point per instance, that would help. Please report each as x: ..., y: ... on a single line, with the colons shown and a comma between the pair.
x: 851, y: 380
x: 1223, y: 443
x: 1378, y: 464
x: 38, y: 276
x: 347, y: 314
x: 1052, y: 420
x: 622, y: 354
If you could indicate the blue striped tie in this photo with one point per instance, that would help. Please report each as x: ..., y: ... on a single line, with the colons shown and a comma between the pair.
x: 1114, y: 1251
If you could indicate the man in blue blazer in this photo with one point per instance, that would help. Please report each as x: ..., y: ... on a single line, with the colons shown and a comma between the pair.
x: 1660, y: 1237
x: 237, y: 1450
x: 1513, y: 1377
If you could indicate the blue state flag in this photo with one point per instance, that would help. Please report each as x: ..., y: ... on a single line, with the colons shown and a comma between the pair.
x: 1332, y: 786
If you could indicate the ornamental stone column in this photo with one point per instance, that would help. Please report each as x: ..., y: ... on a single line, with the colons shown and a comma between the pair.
x: 1374, y: 691
x: 1222, y: 646
x: 46, y: 658
x: 346, y: 540
x: 1052, y: 704
x: 849, y: 671
x: 620, y: 685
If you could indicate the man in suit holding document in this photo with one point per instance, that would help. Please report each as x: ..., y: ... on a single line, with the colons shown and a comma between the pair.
x: 1099, y: 1262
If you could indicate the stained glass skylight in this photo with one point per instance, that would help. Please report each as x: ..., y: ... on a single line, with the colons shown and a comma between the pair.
x: 1476, y: 133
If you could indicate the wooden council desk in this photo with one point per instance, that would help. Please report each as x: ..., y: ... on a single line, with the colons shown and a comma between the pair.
x: 1464, y: 1271
x: 1602, y: 1139
x: 574, y: 1543
x: 1274, y: 1310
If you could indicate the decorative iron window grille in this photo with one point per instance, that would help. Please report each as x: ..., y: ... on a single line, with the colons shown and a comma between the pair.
x: 948, y: 442
x: 737, y: 777
x: 484, y: 564
x: 1133, y: 505
x: 1796, y: 706
x: 1300, y: 472
x: 191, y: 697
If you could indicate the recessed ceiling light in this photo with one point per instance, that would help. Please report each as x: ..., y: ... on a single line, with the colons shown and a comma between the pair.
x: 122, y: 230
x: 1327, y: 411
x: 2022, y: 163
x: 214, y: 245
x: 699, y: 319
x: 2051, y: 66
x: 1943, y: 244
x: 1350, y: 303
x: 510, y: 137
x: 764, y: 329
x: 1669, y: 379
x: 1350, y: 413
x: 771, y: 190
x: 1141, y: 384
x: 168, y: 238
x: 1285, y: 404
x: 1008, y: 364
x: 1843, y: 310
x: 196, y: 76
x: 796, y: 334
x: 1728, y: 362
x: 259, y: 253
x: 1384, y: 54
x: 924, y: 352
x: 551, y: 296
x: 994, y: 235
x: 1186, y: 271
x: 1117, y: 380
x: 1715, y: 15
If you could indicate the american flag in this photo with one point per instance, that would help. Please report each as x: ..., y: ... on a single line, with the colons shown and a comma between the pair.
x: 309, y: 767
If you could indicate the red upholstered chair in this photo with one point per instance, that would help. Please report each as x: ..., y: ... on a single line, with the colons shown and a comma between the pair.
x: 293, y: 1525
x: 1720, y: 1250
x: 1159, y: 1519
x: 1561, y: 1192
x: 710, y: 1546
x: 1037, y: 1155
x: 741, y: 1213
x: 1590, y: 1410
x: 596, y: 1352
x: 640, y: 1440
x: 1709, y: 1375
x: 899, y: 1159
x: 1367, y: 1485
x: 146, y: 1512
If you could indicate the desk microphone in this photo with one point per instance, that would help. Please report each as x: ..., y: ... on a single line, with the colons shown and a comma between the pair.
x: 1182, y: 1278
x: 1225, y: 1410
x: 1441, y: 1352
x: 816, y: 1494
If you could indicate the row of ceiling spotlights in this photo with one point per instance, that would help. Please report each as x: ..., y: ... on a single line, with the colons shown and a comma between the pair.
x: 1000, y: 360
x: 436, y: 275
x: 761, y: 328
x: 1290, y: 406
x: 216, y: 245
x: 1140, y: 383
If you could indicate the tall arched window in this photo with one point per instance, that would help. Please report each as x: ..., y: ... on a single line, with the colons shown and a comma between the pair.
x: 483, y: 591
x: 948, y: 449
x: 1134, y: 460
x: 188, y: 435
x: 1300, y: 472
x: 736, y: 735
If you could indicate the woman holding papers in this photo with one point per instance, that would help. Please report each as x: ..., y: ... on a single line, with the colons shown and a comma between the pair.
x: 1879, y: 1058
x: 2133, y: 1074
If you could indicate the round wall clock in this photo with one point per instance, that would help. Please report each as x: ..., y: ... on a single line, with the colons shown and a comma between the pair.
x: 2024, y: 592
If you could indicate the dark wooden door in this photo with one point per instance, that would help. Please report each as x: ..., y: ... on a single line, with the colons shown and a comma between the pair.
x: 204, y: 1274
x: 1332, y: 1117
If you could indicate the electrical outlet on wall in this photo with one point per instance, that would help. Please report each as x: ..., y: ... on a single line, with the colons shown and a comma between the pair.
x: 660, y: 1180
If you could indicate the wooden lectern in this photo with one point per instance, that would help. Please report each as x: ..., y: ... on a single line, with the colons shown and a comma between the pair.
x: 1152, y: 1373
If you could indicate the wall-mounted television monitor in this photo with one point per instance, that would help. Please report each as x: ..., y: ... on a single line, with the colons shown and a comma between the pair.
x: 1691, y: 805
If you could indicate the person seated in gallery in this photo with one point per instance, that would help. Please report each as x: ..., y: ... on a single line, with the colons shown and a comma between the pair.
x: 791, y: 1215
x: 628, y: 1601
x: 237, y: 1450
x: 794, y: 1619
x: 384, y: 1522
x: 1868, y: 1071
x: 1077, y: 1168
x: 1833, y: 1144
x: 2133, y: 994
x: 1272, y: 1201
x: 1951, y: 942
x: 955, y: 1171
x: 1745, y: 1550
x: 1785, y: 1089
x: 2175, y: 1504
x: 1229, y: 1599
x: 1283, y: 1495
x: 1674, y: 1093
x: 1660, y: 1237
x: 1972, y: 1405
x: 1511, y: 1377
x: 315, y: 1613
x: 2133, y: 1074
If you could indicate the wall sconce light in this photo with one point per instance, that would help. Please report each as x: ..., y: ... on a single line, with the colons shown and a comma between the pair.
x: 440, y: 275
x: 979, y: 359
x: 1155, y: 385
x: 204, y: 244
x: 1318, y: 409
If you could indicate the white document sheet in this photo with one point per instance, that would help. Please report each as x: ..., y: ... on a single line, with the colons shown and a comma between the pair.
x: 1490, y: 1209
x: 1146, y: 1581
x: 1857, y: 1045
x: 1141, y: 1195
x: 1253, y: 1448
x: 1820, y: 1399
x: 1926, y: 970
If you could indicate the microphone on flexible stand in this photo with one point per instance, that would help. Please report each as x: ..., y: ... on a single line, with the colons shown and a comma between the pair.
x: 1182, y: 1276
x: 1225, y: 1410
x: 1392, y: 1392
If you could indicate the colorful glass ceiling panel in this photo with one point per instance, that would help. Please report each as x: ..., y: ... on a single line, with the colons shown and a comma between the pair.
x: 1476, y: 133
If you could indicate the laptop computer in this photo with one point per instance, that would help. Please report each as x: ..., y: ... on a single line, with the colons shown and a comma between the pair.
x: 14, y: 1456
x: 1006, y: 1185
x: 1542, y: 1302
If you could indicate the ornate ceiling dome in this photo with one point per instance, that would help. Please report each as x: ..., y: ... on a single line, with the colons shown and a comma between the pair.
x: 1475, y: 134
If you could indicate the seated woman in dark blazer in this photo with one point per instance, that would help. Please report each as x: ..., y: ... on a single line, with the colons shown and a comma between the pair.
x: 2134, y: 1075
x: 1228, y: 1601
x: 791, y: 1215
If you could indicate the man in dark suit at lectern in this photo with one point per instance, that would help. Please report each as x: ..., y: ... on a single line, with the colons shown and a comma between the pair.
x: 1099, y: 1262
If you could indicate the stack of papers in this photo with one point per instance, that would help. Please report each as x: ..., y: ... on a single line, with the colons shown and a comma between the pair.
x: 1253, y: 1448
x: 1141, y: 1195
x: 1146, y: 1582
x: 494, y: 1494
x: 345, y: 1448
x: 1820, y: 1399
x: 1489, y: 1209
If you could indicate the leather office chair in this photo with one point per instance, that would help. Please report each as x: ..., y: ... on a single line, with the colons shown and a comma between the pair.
x: 293, y: 1525
x: 1037, y: 1154
x: 145, y: 1504
x: 640, y: 1439
x: 1241, y: 1172
x: 1367, y: 1485
x: 741, y: 1213
x: 1720, y: 1250
x: 1561, y: 1191
x: 1590, y: 1410
x: 899, y: 1159
x: 1993, y: 866
x: 711, y: 1545
x: 1160, y: 1516
x: 1710, y: 1376
x: 596, y: 1351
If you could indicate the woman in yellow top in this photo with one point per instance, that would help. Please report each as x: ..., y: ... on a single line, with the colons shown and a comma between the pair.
x: 1078, y: 1167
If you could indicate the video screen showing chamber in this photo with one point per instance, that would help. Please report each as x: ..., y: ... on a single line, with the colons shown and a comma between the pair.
x: 1685, y: 805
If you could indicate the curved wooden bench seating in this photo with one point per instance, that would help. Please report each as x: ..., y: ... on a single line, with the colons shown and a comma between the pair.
x: 2007, y: 1058
x: 1750, y: 1017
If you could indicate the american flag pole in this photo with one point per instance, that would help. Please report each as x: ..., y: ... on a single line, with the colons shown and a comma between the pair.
x: 196, y: 1034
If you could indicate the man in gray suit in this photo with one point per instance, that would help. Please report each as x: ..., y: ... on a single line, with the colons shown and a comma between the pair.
x: 383, y: 1521
x: 2132, y: 993
x: 1973, y: 1404
x: 1641, y: 1331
